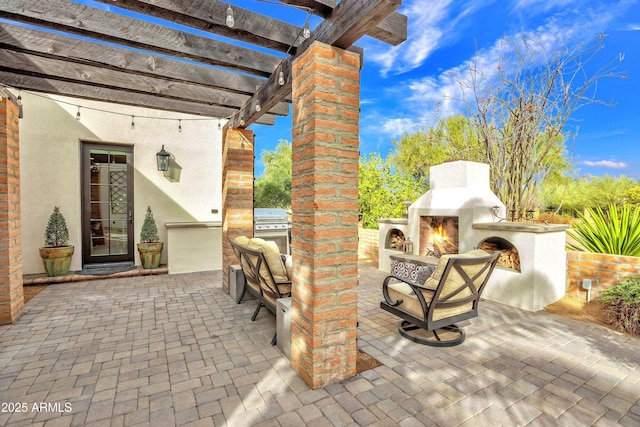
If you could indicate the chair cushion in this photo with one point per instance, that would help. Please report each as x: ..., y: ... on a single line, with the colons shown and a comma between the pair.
x: 242, y: 240
x: 272, y: 255
x: 434, y: 279
x: 409, y: 299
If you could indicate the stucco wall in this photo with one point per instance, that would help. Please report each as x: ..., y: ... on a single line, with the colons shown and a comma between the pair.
x: 50, y: 155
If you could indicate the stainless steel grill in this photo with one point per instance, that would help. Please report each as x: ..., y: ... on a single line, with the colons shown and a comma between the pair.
x: 272, y: 224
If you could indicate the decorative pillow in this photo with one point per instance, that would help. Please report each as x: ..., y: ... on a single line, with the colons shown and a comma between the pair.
x: 271, y: 254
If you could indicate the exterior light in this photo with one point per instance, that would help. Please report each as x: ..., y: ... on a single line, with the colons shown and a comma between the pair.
x: 162, y: 158
x: 230, y: 20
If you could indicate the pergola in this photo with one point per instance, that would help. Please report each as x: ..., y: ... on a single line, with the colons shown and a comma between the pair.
x: 246, y: 73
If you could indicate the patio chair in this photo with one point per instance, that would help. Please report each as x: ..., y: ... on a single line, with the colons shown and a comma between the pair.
x: 451, y: 294
x: 266, y: 275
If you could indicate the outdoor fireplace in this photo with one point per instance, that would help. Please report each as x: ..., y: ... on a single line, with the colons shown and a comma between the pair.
x: 460, y: 213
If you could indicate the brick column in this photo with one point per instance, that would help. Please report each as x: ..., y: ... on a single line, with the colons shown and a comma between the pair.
x: 326, y: 86
x: 237, y: 193
x: 11, y: 296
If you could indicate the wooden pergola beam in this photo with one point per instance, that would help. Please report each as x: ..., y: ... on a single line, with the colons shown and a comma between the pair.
x: 210, y: 16
x: 116, y: 28
x: 349, y: 21
x: 392, y: 30
x: 96, y: 93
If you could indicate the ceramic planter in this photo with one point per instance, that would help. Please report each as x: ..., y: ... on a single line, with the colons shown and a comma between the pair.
x: 56, y: 261
x: 150, y: 254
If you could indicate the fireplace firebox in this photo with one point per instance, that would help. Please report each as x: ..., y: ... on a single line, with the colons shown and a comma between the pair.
x: 438, y: 235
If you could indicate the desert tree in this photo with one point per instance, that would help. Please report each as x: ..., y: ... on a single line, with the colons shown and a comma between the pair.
x: 521, y: 109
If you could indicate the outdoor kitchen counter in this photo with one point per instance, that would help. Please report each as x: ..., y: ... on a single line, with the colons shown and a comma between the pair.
x: 194, y: 246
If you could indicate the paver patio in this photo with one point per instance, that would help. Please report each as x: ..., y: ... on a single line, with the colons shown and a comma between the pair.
x: 175, y: 350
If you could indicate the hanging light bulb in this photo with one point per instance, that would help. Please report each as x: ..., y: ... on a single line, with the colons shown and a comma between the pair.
x: 133, y: 123
x: 19, y: 98
x: 241, y: 122
x: 78, y: 114
x: 179, y: 125
x: 230, y: 21
x: 219, y: 126
x: 258, y: 106
x: 306, y: 32
x: 281, y: 78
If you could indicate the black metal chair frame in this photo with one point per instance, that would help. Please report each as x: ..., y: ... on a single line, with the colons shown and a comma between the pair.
x: 265, y: 289
x: 410, y: 323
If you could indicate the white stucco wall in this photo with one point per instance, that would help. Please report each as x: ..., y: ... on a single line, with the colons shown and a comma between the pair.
x: 50, y: 155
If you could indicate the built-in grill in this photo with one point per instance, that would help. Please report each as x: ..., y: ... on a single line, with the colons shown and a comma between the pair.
x: 272, y: 224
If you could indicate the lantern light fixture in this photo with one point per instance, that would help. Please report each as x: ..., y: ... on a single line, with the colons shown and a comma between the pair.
x: 162, y: 158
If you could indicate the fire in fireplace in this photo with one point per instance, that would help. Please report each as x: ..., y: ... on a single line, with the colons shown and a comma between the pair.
x: 438, y: 235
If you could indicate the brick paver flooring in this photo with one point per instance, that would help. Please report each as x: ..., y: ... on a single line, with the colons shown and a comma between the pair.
x: 174, y: 350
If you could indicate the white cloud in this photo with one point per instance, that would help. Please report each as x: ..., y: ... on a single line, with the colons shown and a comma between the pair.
x: 606, y: 164
x: 429, y: 29
x: 443, y: 93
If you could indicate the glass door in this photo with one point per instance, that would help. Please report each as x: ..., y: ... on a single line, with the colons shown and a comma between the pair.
x: 107, y: 204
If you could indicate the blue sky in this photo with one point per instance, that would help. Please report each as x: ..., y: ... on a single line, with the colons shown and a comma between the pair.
x: 402, y: 86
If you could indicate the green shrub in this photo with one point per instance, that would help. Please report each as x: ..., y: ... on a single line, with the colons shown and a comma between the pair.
x: 622, y: 305
x: 149, y: 232
x: 56, y: 234
x: 614, y: 232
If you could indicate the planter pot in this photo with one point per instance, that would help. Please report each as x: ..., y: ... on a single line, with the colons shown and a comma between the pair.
x: 56, y: 261
x: 150, y: 254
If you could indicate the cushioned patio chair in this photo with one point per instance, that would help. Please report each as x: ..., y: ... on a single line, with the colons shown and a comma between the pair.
x: 265, y: 273
x: 451, y: 294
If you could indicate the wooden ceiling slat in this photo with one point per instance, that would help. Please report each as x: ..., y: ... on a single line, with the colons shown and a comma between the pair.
x: 57, y: 87
x: 111, y: 27
x: 210, y: 16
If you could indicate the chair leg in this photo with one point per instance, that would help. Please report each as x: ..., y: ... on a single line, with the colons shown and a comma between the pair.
x: 274, y: 340
x: 255, y: 313
x: 244, y: 289
x: 446, y: 336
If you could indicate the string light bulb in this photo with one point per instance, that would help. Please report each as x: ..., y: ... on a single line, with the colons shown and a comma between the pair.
x: 231, y: 22
x: 219, y: 126
x: 281, y: 78
x: 179, y: 125
x: 258, y: 106
x: 306, y: 32
x: 78, y: 114
x: 133, y: 123
x: 19, y: 98
x: 241, y: 122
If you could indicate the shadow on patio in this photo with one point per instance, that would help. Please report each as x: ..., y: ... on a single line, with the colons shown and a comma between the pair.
x: 175, y: 350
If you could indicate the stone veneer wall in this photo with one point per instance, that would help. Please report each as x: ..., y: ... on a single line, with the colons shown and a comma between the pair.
x: 11, y: 295
x: 237, y: 193
x: 324, y: 242
x: 603, y: 270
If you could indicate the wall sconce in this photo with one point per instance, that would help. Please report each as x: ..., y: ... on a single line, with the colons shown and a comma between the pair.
x: 162, y: 158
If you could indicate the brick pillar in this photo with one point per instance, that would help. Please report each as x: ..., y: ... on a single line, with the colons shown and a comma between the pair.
x: 326, y: 86
x: 11, y: 296
x: 237, y: 193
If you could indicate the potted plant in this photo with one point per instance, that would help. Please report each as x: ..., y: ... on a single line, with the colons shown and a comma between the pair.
x: 57, y: 253
x: 149, y: 248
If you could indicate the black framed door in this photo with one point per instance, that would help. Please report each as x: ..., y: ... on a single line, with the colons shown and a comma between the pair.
x: 107, y: 204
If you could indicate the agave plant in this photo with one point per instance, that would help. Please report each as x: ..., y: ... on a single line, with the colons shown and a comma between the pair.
x: 615, y: 232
